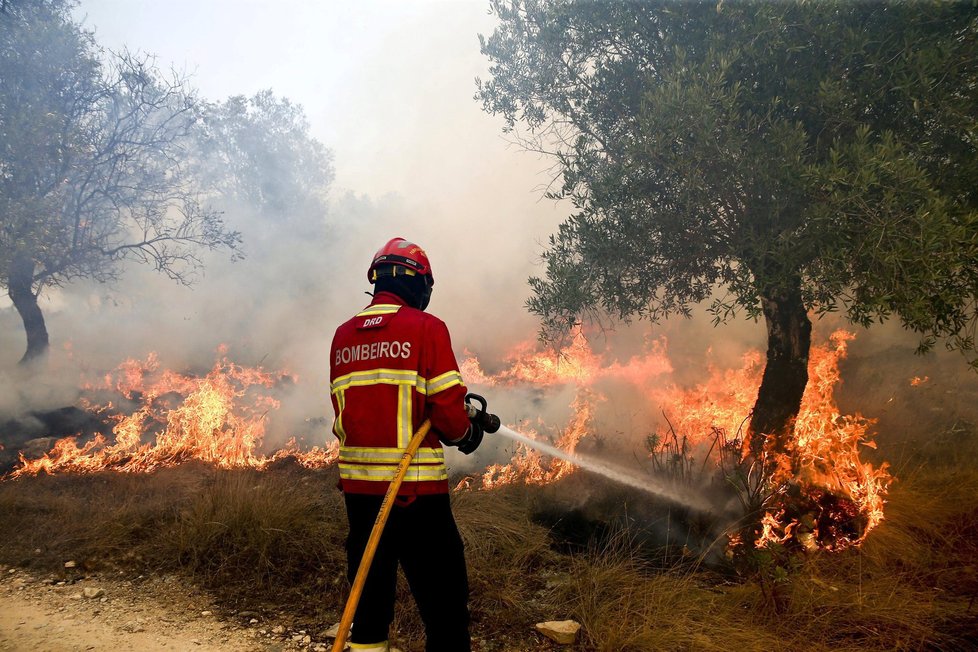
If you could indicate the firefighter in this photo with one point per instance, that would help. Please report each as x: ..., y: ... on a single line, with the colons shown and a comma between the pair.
x: 392, y: 367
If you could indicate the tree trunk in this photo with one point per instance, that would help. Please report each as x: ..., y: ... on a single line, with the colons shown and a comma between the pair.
x: 789, y: 338
x: 21, y: 291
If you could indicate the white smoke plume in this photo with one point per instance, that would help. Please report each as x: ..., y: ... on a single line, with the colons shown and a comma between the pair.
x: 415, y: 157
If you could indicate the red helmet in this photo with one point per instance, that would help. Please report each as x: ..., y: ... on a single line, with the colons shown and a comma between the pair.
x: 404, y: 254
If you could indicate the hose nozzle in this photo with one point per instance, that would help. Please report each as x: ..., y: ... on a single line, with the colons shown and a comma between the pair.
x: 488, y: 422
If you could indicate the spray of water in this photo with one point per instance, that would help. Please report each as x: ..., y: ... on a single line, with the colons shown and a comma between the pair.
x: 617, y: 474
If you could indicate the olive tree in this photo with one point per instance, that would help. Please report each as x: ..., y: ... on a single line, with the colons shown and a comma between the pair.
x: 779, y: 160
x: 95, y: 159
x: 258, y: 152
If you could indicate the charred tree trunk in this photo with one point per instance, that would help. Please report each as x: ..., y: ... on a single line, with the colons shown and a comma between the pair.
x: 21, y: 291
x: 789, y: 338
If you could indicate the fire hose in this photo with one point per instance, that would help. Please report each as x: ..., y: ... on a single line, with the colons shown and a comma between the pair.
x: 488, y: 422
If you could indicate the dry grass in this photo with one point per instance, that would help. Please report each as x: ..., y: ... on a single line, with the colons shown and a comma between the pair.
x: 274, y: 540
x: 253, y: 538
x: 248, y: 530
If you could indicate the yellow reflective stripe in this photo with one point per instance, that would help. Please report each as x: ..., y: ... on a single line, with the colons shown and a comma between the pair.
x: 368, y: 646
x: 443, y: 382
x: 404, y: 377
x: 405, y: 426
x: 374, y: 377
x: 379, y: 309
x: 338, y: 423
x: 425, y: 455
x: 386, y: 472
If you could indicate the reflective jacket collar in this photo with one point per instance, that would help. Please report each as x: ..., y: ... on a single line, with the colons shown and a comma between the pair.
x: 388, y: 298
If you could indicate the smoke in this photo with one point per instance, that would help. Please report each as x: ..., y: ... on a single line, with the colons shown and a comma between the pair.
x: 415, y: 157
x: 437, y: 173
x: 278, y: 307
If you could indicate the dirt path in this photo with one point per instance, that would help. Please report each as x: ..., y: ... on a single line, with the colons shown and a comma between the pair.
x: 95, y: 613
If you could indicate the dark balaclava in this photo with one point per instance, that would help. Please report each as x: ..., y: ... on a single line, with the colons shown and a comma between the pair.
x: 413, y: 289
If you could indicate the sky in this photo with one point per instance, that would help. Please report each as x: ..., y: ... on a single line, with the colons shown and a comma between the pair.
x: 388, y: 86
x: 377, y: 79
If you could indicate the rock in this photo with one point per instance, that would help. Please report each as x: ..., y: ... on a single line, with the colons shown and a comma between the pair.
x: 278, y: 629
x: 306, y: 640
x: 39, y: 447
x: 92, y: 592
x: 71, y: 564
x: 562, y: 631
x: 557, y: 580
x: 248, y: 614
x: 253, y: 621
x: 332, y: 632
x: 205, y: 613
x: 76, y: 596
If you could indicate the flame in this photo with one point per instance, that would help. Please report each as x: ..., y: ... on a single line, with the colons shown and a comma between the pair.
x: 530, y: 467
x: 218, y: 419
x: 575, y: 363
x: 822, y: 493
x: 823, y: 459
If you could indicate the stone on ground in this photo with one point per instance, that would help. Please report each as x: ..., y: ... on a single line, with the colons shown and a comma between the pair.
x: 561, y: 631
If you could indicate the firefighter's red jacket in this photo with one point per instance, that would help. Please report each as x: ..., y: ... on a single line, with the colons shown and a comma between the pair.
x: 392, y: 367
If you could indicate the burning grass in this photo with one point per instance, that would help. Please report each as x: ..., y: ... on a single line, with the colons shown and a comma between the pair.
x: 272, y: 540
x: 819, y: 493
x: 169, y: 418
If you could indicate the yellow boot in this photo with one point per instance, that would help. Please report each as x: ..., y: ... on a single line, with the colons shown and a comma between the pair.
x: 370, y: 647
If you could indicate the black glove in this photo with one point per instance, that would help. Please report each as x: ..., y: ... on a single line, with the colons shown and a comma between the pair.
x: 472, y: 438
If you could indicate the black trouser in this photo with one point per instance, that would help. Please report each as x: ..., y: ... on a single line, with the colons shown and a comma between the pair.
x: 422, y: 536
